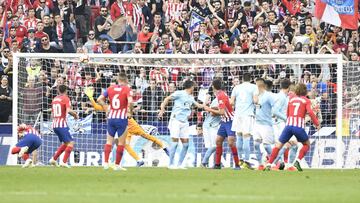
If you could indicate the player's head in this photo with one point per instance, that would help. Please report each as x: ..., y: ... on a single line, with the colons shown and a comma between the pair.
x: 122, y: 78
x: 292, y: 87
x: 189, y: 85
x: 260, y: 82
x: 21, y: 129
x: 246, y: 77
x: 300, y: 89
x: 62, y: 89
x: 268, y: 85
x: 217, y: 84
x: 285, y: 84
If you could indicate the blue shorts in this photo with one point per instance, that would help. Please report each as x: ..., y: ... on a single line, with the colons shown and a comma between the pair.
x: 225, y: 129
x: 30, y: 140
x: 117, y: 126
x: 289, y: 131
x: 63, y: 134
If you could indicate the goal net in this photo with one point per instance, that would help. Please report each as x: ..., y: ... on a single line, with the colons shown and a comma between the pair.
x: 332, y: 85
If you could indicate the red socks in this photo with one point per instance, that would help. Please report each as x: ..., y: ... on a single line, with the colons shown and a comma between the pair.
x: 273, y: 155
x: 286, y: 155
x: 25, y: 157
x: 15, y: 150
x: 107, y: 151
x: 303, y: 151
x: 235, y: 155
x: 119, y: 154
x: 67, y: 153
x: 218, y: 154
x: 59, y: 151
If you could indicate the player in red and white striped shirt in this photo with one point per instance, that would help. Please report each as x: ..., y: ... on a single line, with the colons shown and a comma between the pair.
x: 31, y: 21
x: 60, y: 108
x: 173, y: 9
x: 120, y: 100
x: 227, y: 114
x: 298, y: 106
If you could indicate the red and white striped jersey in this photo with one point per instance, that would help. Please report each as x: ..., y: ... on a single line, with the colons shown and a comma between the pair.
x: 173, y: 10
x: 160, y: 76
x: 224, y: 103
x: 196, y: 45
x: 138, y: 17
x: 31, y: 23
x: 60, y: 105
x: 118, y: 98
x: 297, y: 109
x: 29, y: 130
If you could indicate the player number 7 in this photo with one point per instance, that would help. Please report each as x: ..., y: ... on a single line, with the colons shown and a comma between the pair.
x: 297, y: 106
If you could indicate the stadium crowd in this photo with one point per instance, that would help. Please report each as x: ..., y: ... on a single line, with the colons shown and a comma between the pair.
x: 157, y: 26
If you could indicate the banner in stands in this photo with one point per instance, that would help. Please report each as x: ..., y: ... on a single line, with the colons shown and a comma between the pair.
x: 7, y: 140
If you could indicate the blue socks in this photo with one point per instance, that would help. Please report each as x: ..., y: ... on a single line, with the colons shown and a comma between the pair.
x: 113, y: 152
x: 280, y: 155
x: 185, y: 147
x: 207, y: 155
x: 239, y: 145
x: 268, y: 148
x: 258, y: 152
x: 246, y: 147
x: 173, y: 148
x: 292, y: 153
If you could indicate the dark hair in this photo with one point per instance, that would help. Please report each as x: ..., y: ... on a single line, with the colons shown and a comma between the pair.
x: 62, y: 89
x: 268, y: 84
x: 217, y: 84
x: 300, y: 89
x: 246, y: 77
x: 188, y: 84
x: 284, y: 84
x: 247, y: 3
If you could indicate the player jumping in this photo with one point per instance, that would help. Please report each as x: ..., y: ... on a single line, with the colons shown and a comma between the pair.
x: 133, y: 129
x: 298, y: 106
x: 60, y: 108
x: 31, y: 140
x: 178, y: 123
x: 227, y: 114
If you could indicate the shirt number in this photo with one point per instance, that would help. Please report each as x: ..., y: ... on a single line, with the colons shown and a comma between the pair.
x: 57, y: 110
x: 297, y: 106
x: 115, y: 102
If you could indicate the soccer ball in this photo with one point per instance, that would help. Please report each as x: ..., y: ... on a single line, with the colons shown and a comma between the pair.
x: 84, y: 58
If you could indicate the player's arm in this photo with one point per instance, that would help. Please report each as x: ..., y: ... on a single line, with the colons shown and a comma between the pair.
x: 164, y: 104
x: 101, y: 100
x: 130, y: 106
x: 89, y: 92
x: 232, y: 100
x: 312, y: 114
x: 276, y: 111
x: 70, y: 111
x: 198, y: 105
x: 218, y: 111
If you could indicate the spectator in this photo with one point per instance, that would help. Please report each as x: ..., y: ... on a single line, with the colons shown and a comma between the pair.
x: 152, y: 96
x: 65, y: 35
x: 42, y: 9
x: 32, y: 98
x: 45, y: 46
x: 90, y: 43
x: 5, y: 99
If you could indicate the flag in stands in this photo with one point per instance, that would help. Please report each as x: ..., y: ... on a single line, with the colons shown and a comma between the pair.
x: 342, y: 13
x: 195, y: 21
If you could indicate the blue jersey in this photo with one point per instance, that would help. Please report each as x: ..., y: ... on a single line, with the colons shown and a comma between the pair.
x: 280, y: 107
x: 182, y: 105
x: 264, y: 109
x: 212, y: 121
x: 243, y: 93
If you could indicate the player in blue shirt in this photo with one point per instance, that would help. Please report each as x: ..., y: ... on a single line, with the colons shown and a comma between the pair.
x: 30, y: 141
x: 178, y: 123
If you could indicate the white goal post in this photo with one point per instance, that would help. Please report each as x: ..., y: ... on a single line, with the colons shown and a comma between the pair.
x: 168, y: 61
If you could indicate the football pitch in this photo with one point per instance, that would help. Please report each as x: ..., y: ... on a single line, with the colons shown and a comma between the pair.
x: 93, y: 184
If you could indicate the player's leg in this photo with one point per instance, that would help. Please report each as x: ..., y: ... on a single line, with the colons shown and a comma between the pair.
x: 232, y: 144
x: 122, y: 130
x: 247, y: 129
x: 132, y: 152
x: 257, y: 142
x: 219, y: 149
x: 61, y: 148
x: 155, y: 140
x: 239, y: 144
x: 293, y: 149
x: 69, y: 142
x: 174, y: 128
x: 111, y: 129
x: 210, y: 144
x: 183, y: 152
x: 284, y: 138
x: 21, y: 147
x: 302, y: 137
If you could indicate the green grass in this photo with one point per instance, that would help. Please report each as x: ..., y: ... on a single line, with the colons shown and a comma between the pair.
x: 45, y: 184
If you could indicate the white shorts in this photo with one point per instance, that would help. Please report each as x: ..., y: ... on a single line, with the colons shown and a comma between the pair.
x: 178, y: 129
x: 278, y: 128
x: 264, y: 133
x: 210, y: 135
x: 243, y: 124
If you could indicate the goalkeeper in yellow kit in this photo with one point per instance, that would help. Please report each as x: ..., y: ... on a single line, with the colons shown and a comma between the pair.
x: 133, y: 129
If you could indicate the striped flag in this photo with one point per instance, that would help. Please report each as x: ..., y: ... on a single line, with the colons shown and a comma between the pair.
x: 342, y: 13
